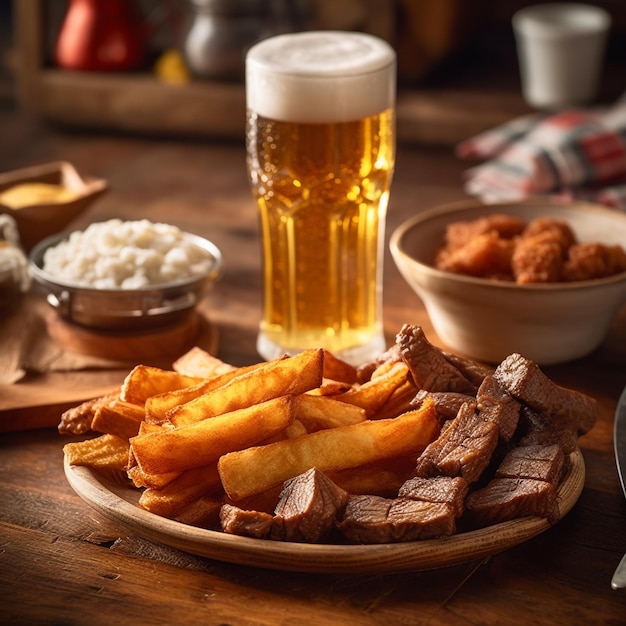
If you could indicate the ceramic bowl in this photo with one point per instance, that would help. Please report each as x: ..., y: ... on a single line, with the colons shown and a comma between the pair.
x: 124, y: 309
x: 41, y: 219
x: 486, y: 319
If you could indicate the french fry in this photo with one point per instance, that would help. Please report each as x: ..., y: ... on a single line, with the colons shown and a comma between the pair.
x: 78, y: 419
x: 359, y: 481
x: 142, y: 479
x: 200, y: 443
x: 144, y: 381
x: 398, y: 402
x: 295, y: 429
x: 137, y: 475
x: 384, y: 368
x: 373, y: 394
x: 157, y: 406
x: 337, y: 369
x: 106, y: 452
x: 319, y: 412
x: 281, y: 377
x: 182, y: 491
x: 265, y: 501
x: 203, y: 513
x: 330, y: 387
x: 198, y: 363
x: 253, y: 470
x: 118, y: 418
x: 382, y: 479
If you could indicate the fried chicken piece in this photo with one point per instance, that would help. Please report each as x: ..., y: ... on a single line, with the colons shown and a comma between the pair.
x: 504, y: 247
x: 587, y: 261
x: 541, y: 251
x: 537, y: 260
x: 548, y: 228
x: 486, y: 256
x: 505, y: 226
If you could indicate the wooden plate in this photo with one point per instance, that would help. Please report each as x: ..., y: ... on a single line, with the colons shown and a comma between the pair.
x: 119, y: 503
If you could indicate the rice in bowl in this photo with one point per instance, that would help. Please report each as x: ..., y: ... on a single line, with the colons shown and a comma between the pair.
x: 119, y: 254
x: 125, y: 275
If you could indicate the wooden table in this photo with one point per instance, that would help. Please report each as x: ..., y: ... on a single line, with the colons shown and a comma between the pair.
x: 63, y: 563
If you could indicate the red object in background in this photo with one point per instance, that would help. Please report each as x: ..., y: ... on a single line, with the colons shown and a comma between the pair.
x: 100, y: 35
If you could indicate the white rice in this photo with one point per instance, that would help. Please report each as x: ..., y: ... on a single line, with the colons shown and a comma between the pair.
x: 121, y: 254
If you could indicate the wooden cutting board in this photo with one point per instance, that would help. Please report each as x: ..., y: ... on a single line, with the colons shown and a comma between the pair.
x: 92, y: 364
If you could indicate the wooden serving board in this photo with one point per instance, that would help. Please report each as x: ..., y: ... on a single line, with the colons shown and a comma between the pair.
x: 38, y: 401
x: 96, y: 363
x: 160, y: 344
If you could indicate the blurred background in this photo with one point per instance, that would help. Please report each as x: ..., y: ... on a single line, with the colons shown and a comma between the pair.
x: 175, y: 67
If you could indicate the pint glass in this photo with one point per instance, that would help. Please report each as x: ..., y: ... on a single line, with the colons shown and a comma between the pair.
x: 320, y: 153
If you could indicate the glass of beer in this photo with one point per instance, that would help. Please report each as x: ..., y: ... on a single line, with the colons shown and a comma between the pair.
x: 320, y: 140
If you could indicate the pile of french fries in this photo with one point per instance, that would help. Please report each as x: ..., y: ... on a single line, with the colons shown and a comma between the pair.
x: 207, y: 433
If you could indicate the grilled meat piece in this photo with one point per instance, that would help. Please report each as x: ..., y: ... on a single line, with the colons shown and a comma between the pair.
x: 538, y: 429
x: 537, y: 462
x: 505, y: 499
x: 308, y: 507
x: 246, y: 523
x: 473, y: 371
x: 442, y: 489
x: 525, y: 381
x: 372, y: 519
x: 447, y: 404
x: 464, y: 447
x: 495, y: 404
x: 429, y: 367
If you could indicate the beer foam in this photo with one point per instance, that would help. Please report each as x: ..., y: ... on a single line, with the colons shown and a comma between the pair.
x: 320, y: 77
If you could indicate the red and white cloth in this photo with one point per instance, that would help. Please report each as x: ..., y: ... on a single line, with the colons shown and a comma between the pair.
x: 572, y: 154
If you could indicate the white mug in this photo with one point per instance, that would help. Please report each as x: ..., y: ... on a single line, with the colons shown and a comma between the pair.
x: 561, y: 51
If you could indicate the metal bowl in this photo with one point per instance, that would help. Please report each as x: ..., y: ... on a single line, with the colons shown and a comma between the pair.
x: 124, y: 309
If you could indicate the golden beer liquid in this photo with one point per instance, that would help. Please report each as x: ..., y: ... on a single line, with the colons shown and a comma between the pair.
x: 322, y: 192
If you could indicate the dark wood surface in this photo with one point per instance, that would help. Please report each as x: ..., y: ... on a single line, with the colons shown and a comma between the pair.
x: 63, y: 563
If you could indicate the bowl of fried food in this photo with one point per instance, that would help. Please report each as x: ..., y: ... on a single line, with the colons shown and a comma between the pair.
x: 541, y: 277
x: 125, y: 274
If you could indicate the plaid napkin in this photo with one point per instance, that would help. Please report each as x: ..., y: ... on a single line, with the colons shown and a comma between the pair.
x: 577, y: 154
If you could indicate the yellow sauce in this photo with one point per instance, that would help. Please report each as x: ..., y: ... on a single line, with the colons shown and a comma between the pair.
x: 27, y: 194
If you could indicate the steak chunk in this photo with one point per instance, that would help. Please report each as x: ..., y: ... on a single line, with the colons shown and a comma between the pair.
x: 238, y: 521
x: 447, y: 403
x: 537, y: 429
x: 442, y: 489
x: 372, y: 519
x: 429, y: 367
x: 474, y: 372
x: 505, y: 499
x: 308, y: 507
x: 496, y: 404
x: 464, y: 447
x: 525, y: 381
x: 536, y: 462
